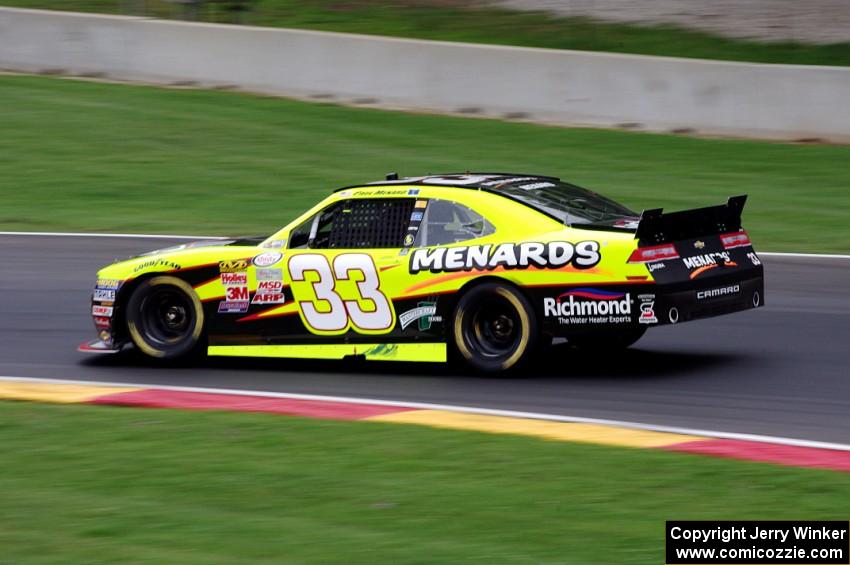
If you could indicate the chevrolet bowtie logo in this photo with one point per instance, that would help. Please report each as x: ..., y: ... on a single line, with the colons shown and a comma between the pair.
x: 699, y: 244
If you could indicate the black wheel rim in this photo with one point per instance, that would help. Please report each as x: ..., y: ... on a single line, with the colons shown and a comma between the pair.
x: 167, y: 316
x: 495, y: 328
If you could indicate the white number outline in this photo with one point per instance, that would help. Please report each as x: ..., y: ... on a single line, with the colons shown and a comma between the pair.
x: 324, y: 291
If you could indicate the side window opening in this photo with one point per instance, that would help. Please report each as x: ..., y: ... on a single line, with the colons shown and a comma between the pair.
x: 356, y: 224
x: 448, y: 222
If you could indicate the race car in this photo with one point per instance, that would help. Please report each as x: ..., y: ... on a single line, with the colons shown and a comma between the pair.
x: 485, y: 267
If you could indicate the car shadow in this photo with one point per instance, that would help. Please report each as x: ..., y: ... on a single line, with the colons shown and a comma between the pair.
x: 560, y: 362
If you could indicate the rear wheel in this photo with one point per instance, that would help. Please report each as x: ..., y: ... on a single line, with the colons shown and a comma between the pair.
x: 165, y: 318
x: 494, y: 327
x: 607, y: 340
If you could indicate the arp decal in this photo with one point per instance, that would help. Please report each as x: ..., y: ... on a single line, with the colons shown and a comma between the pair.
x: 589, y: 306
x: 269, y: 292
x: 552, y: 255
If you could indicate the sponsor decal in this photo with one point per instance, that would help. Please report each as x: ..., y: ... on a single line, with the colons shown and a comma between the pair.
x: 103, y: 311
x: 105, y: 337
x: 413, y: 192
x: 103, y: 295
x: 718, y: 292
x: 589, y: 306
x: 101, y: 322
x: 108, y: 284
x: 234, y: 279
x: 275, y: 244
x: 699, y: 244
x: 552, y: 255
x: 535, y: 185
x: 232, y: 307
x: 656, y: 266
x: 416, y: 217
x: 706, y: 259
x: 647, y: 309
x: 156, y: 263
x: 233, y: 266
x: 421, y: 204
x: 236, y: 294
x: 424, y: 313
x: 503, y: 180
x: 267, y: 259
x: 754, y: 259
x: 409, y: 239
x: 269, y: 275
x: 269, y: 292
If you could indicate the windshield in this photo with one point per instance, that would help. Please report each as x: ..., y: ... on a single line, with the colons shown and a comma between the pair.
x: 569, y: 203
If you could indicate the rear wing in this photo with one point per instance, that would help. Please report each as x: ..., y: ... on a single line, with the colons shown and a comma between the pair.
x: 655, y: 227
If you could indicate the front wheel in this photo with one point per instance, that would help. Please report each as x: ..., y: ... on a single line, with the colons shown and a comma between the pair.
x: 494, y: 327
x: 165, y: 318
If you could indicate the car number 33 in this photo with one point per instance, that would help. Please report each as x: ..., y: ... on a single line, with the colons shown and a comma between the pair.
x: 330, y: 304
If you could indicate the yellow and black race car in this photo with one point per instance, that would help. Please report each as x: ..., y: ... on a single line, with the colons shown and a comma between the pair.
x: 489, y: 266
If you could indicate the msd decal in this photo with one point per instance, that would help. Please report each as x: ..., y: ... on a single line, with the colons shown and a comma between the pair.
x: 589, y: 306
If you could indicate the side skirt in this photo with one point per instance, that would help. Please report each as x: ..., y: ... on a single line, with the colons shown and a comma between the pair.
x: 426, y: 352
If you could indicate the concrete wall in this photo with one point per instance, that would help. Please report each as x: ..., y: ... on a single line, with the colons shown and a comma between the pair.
x: 569, y: 87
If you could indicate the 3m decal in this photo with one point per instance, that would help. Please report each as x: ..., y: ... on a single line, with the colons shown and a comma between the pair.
x: 105, y: 311
x: 267, y: 259
x: 424, y: 313
x: 552, y: 255
x: 589, y: 306
x: 647, y: 309
x: 331, y: 310
x: 233, y: 266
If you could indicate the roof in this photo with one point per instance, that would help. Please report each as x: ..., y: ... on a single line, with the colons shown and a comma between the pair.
x: 479, y: 181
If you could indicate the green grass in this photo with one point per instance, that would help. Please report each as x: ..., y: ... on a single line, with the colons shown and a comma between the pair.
x: 87, y: 156
x: 471, y: 22
x: 82, y: 484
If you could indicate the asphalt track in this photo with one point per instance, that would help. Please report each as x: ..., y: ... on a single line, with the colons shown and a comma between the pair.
x: 783, y: 370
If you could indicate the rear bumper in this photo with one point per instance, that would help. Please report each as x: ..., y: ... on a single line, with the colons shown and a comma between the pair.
x: 570, y: 310
x: 713, y: 297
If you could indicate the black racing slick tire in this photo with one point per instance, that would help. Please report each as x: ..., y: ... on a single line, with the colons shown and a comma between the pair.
x: 495, y: 328
x: 607, y: 340
x: 165, y: 318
